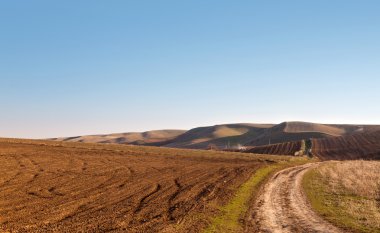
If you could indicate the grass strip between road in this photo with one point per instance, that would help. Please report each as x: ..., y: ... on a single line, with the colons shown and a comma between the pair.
x: 228, y: 220
x: 232, y: 214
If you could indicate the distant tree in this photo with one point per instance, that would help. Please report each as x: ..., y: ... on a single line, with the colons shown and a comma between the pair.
x: 309, y: 146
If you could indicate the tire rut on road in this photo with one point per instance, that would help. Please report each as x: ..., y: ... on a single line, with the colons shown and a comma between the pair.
x: 282, y: 205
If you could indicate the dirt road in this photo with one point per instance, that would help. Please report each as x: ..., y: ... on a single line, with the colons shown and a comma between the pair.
x: 282, y: 206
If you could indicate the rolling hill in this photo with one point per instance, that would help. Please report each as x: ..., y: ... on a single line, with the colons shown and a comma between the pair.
x: 221, y: 136
x: 136, y: 138
x: 232, y: 136
x: 296, y: 131
x: 360, y: 145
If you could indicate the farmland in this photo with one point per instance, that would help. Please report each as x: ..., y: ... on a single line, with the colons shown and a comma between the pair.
x: 356, y: 146
x: 59, y: 186
x: 286, y: 148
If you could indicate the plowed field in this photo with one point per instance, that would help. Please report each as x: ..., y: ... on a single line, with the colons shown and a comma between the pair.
x: 78, y: 187
x: 356, y: 146
x: 286, y: 148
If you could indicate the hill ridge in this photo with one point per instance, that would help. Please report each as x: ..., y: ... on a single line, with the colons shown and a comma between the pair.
x: 226, y: 136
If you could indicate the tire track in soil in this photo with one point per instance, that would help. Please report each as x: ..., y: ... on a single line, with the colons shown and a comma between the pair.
x: 142, y: 203
x: 68, y: 189
x: 172, y: 207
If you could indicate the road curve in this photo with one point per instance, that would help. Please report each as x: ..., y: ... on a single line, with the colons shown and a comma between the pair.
x: 282, y: 205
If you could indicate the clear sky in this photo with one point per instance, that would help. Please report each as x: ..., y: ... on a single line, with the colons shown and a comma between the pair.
x: 85, y: 67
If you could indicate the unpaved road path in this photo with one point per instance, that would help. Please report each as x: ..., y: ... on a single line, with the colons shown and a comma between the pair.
x: 282, y: 205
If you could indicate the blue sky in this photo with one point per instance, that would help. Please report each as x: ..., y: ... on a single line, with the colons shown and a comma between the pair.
x: 85, y: 67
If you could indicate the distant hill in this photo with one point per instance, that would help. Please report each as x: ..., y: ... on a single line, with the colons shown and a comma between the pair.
x: 154, y: 136
x: 230, y: 136
x: 221, y: 136
x: 245, y: 134
x: 354, y: 142
x: 295, y: 131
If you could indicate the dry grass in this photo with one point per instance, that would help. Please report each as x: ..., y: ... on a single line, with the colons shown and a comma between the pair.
x: 347, y: 193
x: 360, y: 178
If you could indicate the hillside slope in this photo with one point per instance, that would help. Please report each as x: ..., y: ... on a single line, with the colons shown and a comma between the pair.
x: 154, y: 136
x: 355, y: 146
x: 231, y: 136
x: 296, y: 131
x: 221, y: 136
x: 285, y: 148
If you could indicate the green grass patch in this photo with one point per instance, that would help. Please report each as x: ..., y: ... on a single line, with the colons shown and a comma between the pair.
x: 231, y: 213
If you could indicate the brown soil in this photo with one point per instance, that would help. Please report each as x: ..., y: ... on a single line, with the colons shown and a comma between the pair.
x: 282, y: 206
x: 78, y: 187
x: 356, y: 146
x: 287, y: 148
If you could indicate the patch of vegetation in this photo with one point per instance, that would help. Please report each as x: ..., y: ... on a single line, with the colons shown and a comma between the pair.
x: 308, y: 148
x: 331, y: 195
x: 228, y: 221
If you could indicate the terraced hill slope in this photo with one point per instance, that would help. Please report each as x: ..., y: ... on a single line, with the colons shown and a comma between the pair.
x: 355, y: 146
x: 347, y: 147
x: 296, y: 131
x: 285, y: 148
